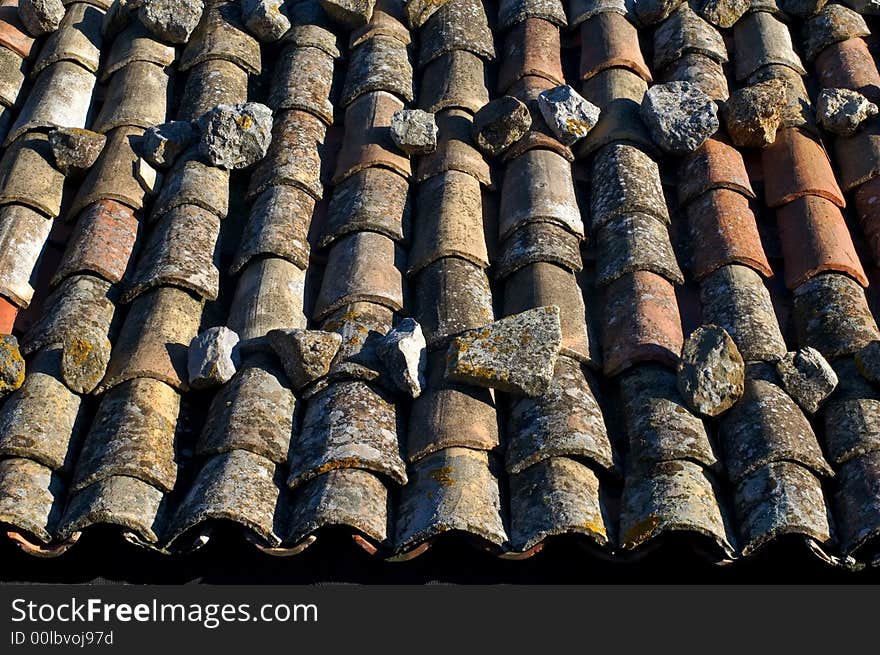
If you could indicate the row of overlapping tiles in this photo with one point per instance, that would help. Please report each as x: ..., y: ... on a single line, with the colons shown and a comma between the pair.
x: 399, y: 473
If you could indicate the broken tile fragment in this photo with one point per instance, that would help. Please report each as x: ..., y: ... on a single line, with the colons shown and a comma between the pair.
x: 161, y: 144
x: 680, y: 116
x: 515, y: 354
x: 404, y: 354
x: 568, y: 114
x: 753, y: 113
x: 842, y: 111
x: 711, y: 371
x: 807, y: 377
x: 722, y: 13
x: 264, y: 19
x: 40, y: 17
x: 236, y: 136
x: 499, y: 124
x: 171, y: 20
x: 305, y: 354
x: 11, y: 364
x: 414, y: 131
x: 75, y: 149
x: 212, y: 358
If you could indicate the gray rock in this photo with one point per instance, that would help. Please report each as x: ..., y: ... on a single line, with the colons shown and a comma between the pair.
x: 171, y: 20
x: 403, y: 352
x: 500, y: 124
x: 75, y: 149
x: 236, y: 136
x: 264, y: 19
x: 842, y: 111
x: 711, y: 372
x: 568, y: 113
x: 868, y: 362
x: 213, y: 357
x: 723, y: 13
x: 680, y: 116
x: 163, y: 143
x: 516, y: 354
x: 11, y: 364
x: 807, y: 377
x: 40, y: 17
x: 414, y: 131
x: 753, y: 114
x: 305, y: 354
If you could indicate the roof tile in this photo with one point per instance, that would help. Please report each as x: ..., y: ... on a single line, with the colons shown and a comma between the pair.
x: 580, y: 10
x: 23, y: 234
x: 714, y: 165
x: 455, y: 149
x: 78, y: 39
x: 835, y: 23
x: 803, y: 169
x: 211, y: 83
x: 112, y: 176
x: 454, y: 80
x: 12, y: 71
x: 610, y: 40
x: 221, y: 35
x: 302, y: 79
x: 538, y: 242
x: 684, y: 32
x: 704, y: 72
x: 635, y: 242
x: 857, y: 506
x: 539, y: 136
x: 761, y: 39
x: 379, y: 64
x: 31, y: 497
x: 362, y: 326
x: 531, y: 48
x: 849, y: 65
x: 858, y: 156
x: 137, y: 97
x: 851, y: 416
x: 295, y: 155
x: 268, y: 296
x: 456, y: 25
x: 625, y: 180
x: 192, y: 182
x: 136, y: 43
x: 513, y: 12
x: 12, y: 33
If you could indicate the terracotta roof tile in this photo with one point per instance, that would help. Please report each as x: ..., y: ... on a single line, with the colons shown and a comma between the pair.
x: 379, y: 64
x: 302, y: 80
x: 294, y: 156
x: 137, y: 98
x: 684, y: 32
x: 610, y: 40
x: 849, y: 65
x: 23, y: 234
x: 268, y: 296
x: 456, y: 25
x: 112, y: 176
x: 211, y: 83
x: 221, y: 35
x: 12, y: 33
x: 513, y: 12
x: 455, y: 150
x: 803, y: 169
x: 368, y: 141
x: 531, y: 48
x: 714, y: 165
x: 762, y: 39
x: 455, y: 80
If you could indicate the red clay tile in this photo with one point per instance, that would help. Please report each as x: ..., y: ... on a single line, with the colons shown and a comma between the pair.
x: 12, y: 34
x: 796, y: 165
x: 610, y: 40
x: 714, y: 165
x: 858, y: 156
x: 849, y: 65
x: 531, y: 48
x: 815, y: 240
x: 8, y: 313
x: 724, y: 231
x: 642, y: 322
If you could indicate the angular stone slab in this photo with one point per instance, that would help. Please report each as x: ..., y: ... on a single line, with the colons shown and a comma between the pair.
x: 766, y: 426
x: 831, y: 314
x: 180, y: 252
x: 348, y: 425
x: 538, y: 242
x: 137, y: 97
x: 531, y: 48
x: 724, y: 230
x: 306, y: 355
x: 780, y: 499
x: 642, y: 322
x: 278, y: 225
x: 449, y: 221
x: 134, y: 433
x: 457, y: 25
x: 112, y: 177
x: 454, y: 489
x: 253, y: 412
x: 362, y: 326
x: 136, y: 43
x: 238, y: 487
x: 350, y: 498
x: 455, y: 80
x: 512, y: 12
x: 27, y: 176
x: 302, y: 80
x: 541, y: 284
x: 566, y: 421
x: 379, y: 64
x: 362, y: 267
x: 41, y: 420
x: 609, y: 40
x: 31, y: 497
x: 269, y: 296
x: 659, y: 425
x: 851, y: 416
x: 538, y: 186
x: 684, y: 32
x: 61, y: 97
x: 734, y: 297
x: 455, y: 150
x: 761, y: 39
x: 102, y: 242
x: 451, y: 295
x: 211, y: 83
x: 714, y: 165
x: 556, y: 496
x: 374, y: 199
x: 222, y: 35
x: 295, y: 155
x: 625, y: 180
x: 635, y: 242
x: 154, y: 339
x: 23, y: 234
x: 134, y: 506
x: 78, y: 39
x: 673, y: 497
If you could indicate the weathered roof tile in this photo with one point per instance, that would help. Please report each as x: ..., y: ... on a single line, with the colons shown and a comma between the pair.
x: 78, y: 39
x: 803, y: 169
x: 23, y: 234
x: 269, y: 296
x: 610, y: 40
x: 380, y: 63
x: 456, y: 25
x: 531, y: 48
x: 221, y: 35
x: 137, y: 97
x: 635, y: 242
x: 136, y: 43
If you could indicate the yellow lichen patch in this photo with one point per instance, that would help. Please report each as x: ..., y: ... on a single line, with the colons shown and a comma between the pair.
x: 640, y: 532
x: 78, y: 351
x: 577, y: 127
x: 595, y: 527
x: 244, y: 121
x: 11, y: 361
x: 442, y: 476
x: 344, y: 463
